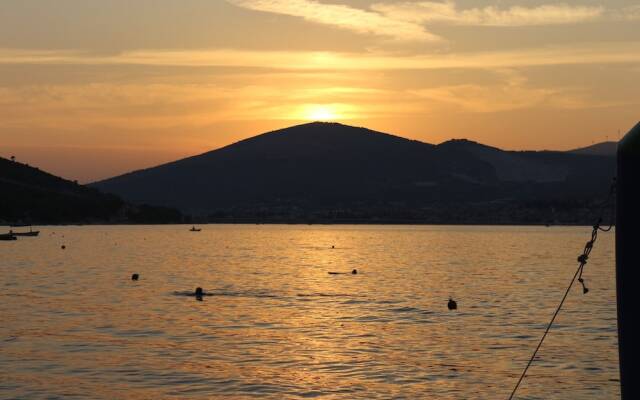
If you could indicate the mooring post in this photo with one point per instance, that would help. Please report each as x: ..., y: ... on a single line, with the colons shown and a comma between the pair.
x: 628, y: 262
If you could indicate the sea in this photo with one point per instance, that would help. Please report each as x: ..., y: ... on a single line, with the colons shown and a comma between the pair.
x: 274, y: 324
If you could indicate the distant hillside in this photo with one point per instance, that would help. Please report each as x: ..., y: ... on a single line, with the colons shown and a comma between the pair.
x: 328, y: 171
x: 511, y: 166
x: 598, y: 149
x: 33, y: 196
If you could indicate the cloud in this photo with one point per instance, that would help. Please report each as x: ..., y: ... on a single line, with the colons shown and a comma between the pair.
x: 512, y: 92
x: 586, y: 53
x: 631, y: 13
x: 342, y: 16
x: 477, y: 98
x: 405, y: 20
x: 448, y: 12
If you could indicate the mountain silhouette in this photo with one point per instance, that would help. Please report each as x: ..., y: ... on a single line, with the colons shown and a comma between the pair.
x: 598, y: 149
x: 328, y: 168
x: 30, y: 195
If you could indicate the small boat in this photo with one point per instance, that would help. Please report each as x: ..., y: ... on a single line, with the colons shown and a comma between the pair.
x: 7, y: 236
x: 194, y: 229
x: 31, y: 233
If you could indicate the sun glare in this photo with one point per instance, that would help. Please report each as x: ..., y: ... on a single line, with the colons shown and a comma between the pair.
x: 321, y: 113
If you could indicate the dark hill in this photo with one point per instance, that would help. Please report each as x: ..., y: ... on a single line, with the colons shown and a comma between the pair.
x: 34, y: 196
x: 598, y: 149
x: 318, y: 170
x: 306, y: 165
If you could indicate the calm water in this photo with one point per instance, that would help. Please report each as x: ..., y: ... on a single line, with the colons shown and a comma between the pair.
x: 73, y: 324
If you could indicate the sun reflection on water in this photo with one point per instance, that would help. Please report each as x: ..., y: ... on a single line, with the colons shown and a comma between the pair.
x: 279, y: 326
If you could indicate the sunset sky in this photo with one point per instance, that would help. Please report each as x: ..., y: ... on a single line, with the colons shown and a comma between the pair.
x: 94, y: 88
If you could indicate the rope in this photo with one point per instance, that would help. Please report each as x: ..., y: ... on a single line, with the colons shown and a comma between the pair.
x: 582, y: 260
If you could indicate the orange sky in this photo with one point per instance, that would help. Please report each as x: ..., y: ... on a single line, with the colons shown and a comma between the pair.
x: 93, y: 89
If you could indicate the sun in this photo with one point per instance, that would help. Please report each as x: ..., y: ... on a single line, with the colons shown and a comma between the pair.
x: 321, y: 113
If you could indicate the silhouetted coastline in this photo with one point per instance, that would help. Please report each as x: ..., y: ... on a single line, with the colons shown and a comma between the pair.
x: 328, y: 170
x: 32, y: 196
x: 349, y: 176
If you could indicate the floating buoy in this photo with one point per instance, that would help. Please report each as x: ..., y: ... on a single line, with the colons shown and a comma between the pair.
x: 63, y: 247
x: 452, y: 305
x: 354, y: 272
x: 135, y: 277
x: 199, y: 293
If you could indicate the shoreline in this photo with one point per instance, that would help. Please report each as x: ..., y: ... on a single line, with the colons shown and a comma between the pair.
x: 307, y: 223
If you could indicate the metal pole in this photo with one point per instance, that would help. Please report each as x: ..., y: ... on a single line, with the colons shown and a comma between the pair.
x: 628, y: 262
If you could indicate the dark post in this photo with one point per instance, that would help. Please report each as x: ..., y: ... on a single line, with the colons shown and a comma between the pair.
x: 627, y: 262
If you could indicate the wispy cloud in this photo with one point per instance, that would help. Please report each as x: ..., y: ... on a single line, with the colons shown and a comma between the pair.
x: 407, y: 20
x: 448, y: 12
x: 342, y: 16
x: 631, y: 13
x: 512, y: 92
x: 586, y: 53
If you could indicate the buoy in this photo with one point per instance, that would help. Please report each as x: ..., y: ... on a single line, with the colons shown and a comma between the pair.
x: 63, y: 247
x: 452, y: 305
x: 135, y: 277
x: 199, y: 293
x: 354, y: 272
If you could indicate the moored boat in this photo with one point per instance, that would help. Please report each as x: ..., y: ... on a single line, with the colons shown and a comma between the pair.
x: 7, y: 236
x: 30, y: 233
